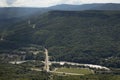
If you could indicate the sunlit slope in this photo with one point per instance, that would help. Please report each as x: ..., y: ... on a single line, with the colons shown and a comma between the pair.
x: 80, y: 36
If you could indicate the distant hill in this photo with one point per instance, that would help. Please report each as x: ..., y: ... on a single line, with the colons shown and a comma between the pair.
x: 22, y: 12
x: 9, y: 12
x: 15, y: 14
x: 107, y: 6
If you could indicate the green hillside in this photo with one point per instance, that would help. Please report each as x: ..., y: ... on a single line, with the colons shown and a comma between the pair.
x: 78, y: 36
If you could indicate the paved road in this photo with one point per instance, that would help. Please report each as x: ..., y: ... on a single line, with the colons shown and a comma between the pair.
x: 46, y: 60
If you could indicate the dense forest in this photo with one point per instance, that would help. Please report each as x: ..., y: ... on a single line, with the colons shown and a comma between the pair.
x: 76, y: 36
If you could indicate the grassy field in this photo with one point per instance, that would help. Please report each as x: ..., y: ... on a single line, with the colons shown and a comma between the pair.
x: 75, y: 70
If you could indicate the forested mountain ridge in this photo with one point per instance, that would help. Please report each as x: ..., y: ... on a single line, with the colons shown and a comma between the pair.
x: 95, y: 6
x: 15, y: 14
x: 78, y: 36
x: 10, y: 12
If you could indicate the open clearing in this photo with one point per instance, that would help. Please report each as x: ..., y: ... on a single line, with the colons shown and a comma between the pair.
x: 84, y: 71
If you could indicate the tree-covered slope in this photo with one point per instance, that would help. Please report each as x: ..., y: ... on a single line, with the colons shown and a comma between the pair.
x: 79, y: 36
x: 11, y: 15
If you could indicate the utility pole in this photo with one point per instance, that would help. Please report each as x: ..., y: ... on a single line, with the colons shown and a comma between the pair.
x: 1, y: 39
x: 34, y: 25
x: 29, y: 22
